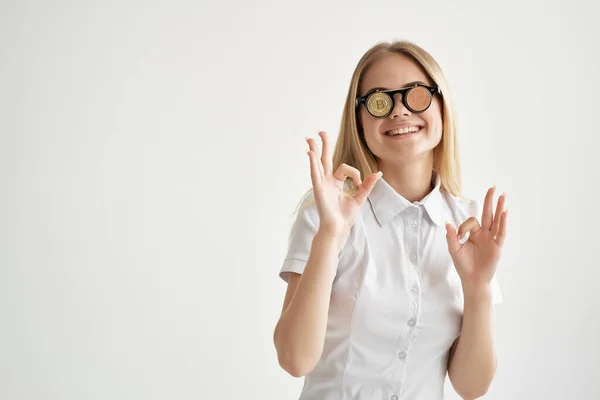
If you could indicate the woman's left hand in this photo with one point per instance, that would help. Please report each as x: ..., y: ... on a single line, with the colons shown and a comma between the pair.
x: 477, y: 258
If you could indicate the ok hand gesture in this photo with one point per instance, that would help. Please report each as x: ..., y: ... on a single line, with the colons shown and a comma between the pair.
x: 337, y: 210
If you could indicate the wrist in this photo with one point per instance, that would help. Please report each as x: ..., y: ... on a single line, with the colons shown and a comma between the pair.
x: 330, y: 236
x: 479, y: 293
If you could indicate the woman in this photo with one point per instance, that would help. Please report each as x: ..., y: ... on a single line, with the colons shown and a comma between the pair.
x: 384, y: 295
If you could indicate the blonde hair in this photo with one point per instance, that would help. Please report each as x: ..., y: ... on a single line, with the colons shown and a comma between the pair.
x: 351, y: 147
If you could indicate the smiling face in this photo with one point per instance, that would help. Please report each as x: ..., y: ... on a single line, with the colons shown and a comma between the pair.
x: 395, y: 71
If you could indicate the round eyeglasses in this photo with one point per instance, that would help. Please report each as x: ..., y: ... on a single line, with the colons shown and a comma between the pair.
x: 380, y: 103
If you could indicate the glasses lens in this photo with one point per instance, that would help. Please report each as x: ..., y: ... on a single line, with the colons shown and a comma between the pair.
x: 418, y: 98
x: 379, y: 104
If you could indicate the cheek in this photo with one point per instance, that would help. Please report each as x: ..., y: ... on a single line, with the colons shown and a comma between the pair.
x: 433, y: 118
x: 370, y: 126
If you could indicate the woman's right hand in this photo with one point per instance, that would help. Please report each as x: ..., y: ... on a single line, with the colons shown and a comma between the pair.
x: 337, y: 210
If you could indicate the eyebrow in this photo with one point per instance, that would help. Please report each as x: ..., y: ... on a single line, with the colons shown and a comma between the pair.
x: 405, y: 86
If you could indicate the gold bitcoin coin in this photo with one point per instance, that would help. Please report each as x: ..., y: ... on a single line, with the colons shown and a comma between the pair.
x: 379, y: 104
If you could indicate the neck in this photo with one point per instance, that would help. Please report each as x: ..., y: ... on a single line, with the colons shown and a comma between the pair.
x: 412, y: 180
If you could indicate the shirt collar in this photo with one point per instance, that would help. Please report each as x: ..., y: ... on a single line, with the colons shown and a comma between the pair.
x: 387, y: 203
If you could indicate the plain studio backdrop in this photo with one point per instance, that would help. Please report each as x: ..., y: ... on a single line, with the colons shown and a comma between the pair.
x: 152, y: 154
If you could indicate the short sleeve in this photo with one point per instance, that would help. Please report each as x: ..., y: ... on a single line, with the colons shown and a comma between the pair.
x: 497, y: 296
x: 304, y: 229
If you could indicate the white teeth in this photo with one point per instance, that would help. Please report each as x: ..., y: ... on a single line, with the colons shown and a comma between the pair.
x: 401, y: 131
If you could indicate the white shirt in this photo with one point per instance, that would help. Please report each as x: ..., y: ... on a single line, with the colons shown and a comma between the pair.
x: 396, y: 301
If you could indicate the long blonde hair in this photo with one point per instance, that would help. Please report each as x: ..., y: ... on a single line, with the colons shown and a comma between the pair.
x: 351, y: 147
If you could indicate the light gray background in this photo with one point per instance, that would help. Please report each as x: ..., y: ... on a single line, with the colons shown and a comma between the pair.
x: 152, y: 152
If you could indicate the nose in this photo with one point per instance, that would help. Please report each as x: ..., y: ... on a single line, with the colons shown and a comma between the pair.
x: 399, y: 108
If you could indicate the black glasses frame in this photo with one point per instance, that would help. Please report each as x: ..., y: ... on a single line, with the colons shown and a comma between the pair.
x: 392, y: 93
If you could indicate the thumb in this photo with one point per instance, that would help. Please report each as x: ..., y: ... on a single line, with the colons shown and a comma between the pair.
x: 368, y: 184
x: 452, y: 239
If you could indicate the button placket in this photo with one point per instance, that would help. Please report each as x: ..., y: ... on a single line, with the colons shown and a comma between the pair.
x: 412, y: 234
x: 412, y: 246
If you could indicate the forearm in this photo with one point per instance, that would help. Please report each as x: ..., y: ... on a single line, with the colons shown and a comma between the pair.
x: 300, y: 332
x: 473, y: 365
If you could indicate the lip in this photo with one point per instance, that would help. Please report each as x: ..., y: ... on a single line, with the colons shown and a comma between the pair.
x: 401, y: 125
x: 403, y: 136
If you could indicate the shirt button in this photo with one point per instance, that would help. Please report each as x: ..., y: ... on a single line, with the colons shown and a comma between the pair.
x: 413, y: 257
x: 415, y: 305
x: 394, y: 397
x: 414, y: 289
x: 402, y: 355
x: 413, y: 223
x: 412, y: 322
